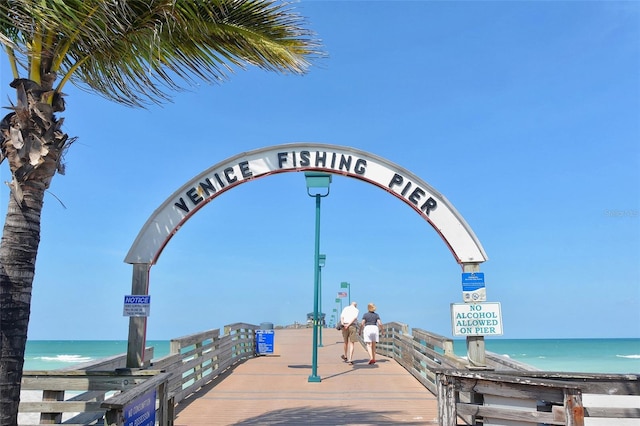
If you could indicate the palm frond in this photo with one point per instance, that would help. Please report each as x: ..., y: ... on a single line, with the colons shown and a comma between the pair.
x: 137, y: 52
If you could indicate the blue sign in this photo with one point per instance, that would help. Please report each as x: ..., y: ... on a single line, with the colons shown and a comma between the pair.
x: 141, y: 411
x: 137, y: 305
x: 472, y: 281
x: 473, y: 287
x: 264, y: 341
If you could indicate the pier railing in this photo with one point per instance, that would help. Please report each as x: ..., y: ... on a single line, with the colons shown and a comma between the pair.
x: 535, y: 398
x: 197, y: 359
x: 100, y: 392
x: 507, y: 390
x: 423, y: 353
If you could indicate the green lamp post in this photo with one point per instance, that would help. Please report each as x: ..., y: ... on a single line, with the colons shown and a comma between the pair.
x: 316, y: 180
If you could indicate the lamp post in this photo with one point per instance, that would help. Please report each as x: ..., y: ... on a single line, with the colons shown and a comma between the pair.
x: 322, y: 260
x: 321, y: 181
x: 346, y: 285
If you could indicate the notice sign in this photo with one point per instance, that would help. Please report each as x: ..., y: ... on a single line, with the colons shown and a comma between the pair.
x: 137, y: 306
x: 141, y: 411
x: 476, y: 319
x: 473, y: 289
x: 264, y: 341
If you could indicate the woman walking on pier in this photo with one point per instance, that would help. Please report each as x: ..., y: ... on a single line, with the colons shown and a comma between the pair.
x: 371, y: 328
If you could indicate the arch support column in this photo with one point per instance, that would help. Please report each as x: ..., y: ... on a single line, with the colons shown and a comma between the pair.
x: 138, y: 325
x: 475, y: 344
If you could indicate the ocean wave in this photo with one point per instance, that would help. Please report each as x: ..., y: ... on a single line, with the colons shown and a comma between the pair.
x: 628, y: 356
x: 72, y: 359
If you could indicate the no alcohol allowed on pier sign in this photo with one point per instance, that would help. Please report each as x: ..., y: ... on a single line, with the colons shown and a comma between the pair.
x: 476, y: 319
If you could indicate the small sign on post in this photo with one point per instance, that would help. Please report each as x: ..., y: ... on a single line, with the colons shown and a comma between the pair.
x: 473, y: 289
x: 137, y: 306
x: 476, y: 319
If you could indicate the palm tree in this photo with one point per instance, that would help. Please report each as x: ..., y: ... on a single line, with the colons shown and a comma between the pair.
x: 135, y: 53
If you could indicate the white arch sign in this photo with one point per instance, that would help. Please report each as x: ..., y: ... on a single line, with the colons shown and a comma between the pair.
x: 339, y: 160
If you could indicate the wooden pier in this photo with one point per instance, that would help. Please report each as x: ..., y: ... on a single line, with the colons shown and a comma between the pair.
x: 216, y: 378
x: 274, y: 389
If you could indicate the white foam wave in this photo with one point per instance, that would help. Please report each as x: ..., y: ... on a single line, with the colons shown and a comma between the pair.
x: 628, y: 356
x: 72, y: 359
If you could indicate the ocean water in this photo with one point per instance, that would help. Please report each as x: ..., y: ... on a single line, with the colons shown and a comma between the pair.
x: 54, y: 354
x: 568, y: 355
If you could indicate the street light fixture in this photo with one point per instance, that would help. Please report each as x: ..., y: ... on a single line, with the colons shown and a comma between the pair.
x: 346, y: 285
x: 322, y: 260
x: 319, y: 181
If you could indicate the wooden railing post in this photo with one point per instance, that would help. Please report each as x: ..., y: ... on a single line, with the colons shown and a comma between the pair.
x: 114, y: 417
x: 197, y: 369
x: 573, y: 408
x: 447, y: 348
x: 447, y: 413
x: 163, y: 405
x: 475, y: 344
x: 138, y: 325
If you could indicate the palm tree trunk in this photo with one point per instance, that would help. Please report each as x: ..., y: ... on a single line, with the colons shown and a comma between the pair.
x: 18, y: 250
x: 32, y: 143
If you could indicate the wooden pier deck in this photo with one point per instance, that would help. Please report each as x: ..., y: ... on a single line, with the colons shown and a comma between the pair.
x: 274, y: 389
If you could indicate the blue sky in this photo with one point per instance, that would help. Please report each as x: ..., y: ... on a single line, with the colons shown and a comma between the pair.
x: 525, y: 115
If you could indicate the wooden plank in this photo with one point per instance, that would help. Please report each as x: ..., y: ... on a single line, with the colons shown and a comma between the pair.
x: 85, y: 418
x: 84, y: 380
x: 59, y: 406
x: 516, y: 390
x: 192, y: 339
x: 508, y: 414
x: 612, y: 413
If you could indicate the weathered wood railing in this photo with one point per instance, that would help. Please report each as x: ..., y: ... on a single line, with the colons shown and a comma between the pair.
x: 74, y: 395
x: 548, y: 398
x: 509, y: 391
x: 99, y: 392
x: 422, y: 353
x: 197, y: 359
x: 93, y: 401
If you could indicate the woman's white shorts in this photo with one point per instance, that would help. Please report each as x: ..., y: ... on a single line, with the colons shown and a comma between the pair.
x: 371, y: 333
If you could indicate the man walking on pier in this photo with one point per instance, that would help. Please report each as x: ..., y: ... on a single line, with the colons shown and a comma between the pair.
x: 348, y: 318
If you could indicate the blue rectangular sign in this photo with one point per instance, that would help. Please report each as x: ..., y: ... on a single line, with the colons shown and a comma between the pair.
x: 472, y: 281
x: 264, y: 341
x: 141, y: 411
x: 137, y: 305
